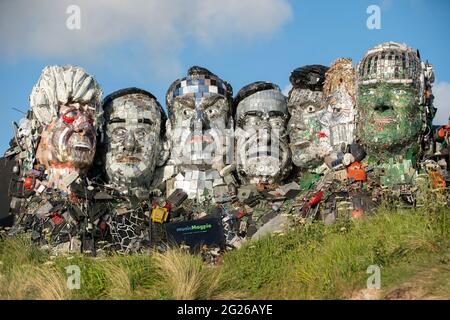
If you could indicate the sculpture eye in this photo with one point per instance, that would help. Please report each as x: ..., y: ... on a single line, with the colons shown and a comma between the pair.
x: 187, y: 112
x: 311, y: 109
x: 212, y: 112
x: 140, y: 134
x: 251, y: 120
x: 276, y: 122
x: 119, y: 133
x: 69, y: 116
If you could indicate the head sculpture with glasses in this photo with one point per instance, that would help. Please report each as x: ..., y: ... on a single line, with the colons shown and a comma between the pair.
x: 66, y: 108
x: 262, y: 150
x: 133, y: 137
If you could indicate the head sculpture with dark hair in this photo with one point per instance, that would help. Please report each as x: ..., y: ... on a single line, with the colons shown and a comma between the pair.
x: 199, y: 128
x: 262, y: 151
x: 309, y: 143
x: 134, y: 127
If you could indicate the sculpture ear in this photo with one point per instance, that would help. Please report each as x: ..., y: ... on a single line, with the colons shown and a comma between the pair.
x: 165, y: 152
x: 164, y: 155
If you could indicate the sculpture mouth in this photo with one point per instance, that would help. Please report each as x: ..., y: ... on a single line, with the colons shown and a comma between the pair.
x: 78, y: 143
x: 128, y: 159
x: 382, y: 108
x: 300, y: 144
x: 385, y: 118
x: 82, y: 146
x: 200, y: 138
x: 261, y: 154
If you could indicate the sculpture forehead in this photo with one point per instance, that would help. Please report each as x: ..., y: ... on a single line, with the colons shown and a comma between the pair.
x: 133, y: 106
x: 198, y: 88
x: 372, y: 91
x: 299, y: 97
x: 390, y: 62
x: 263, y: 101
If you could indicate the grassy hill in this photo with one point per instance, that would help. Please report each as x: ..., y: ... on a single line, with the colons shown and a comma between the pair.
x: 310, y: 261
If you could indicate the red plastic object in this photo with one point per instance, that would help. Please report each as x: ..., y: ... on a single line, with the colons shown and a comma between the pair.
x: 168, y: 206
x: 321, y: 134
x: 241, y: 214
x: 315, y: 198
x: 28, y: 183
x: 356, y: 172
x: 57, y: 219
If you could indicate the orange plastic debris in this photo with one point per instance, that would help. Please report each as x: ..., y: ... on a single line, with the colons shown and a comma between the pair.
x: 357, y: 213
x: 356, y: 172
x: 437, y: 180
x: 443, y: 130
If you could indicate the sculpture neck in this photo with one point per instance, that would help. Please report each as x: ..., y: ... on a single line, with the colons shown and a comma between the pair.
x: 60, y: 176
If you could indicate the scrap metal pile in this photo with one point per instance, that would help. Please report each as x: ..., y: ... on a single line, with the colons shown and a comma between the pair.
x: 119, y: 175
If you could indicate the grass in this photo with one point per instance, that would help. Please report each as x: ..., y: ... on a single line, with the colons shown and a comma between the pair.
x: 315, y: 262
x: 311, y: 261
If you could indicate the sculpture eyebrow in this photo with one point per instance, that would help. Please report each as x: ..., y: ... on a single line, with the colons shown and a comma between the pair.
x: 122, y: 120
x: 211, y: 99
x: 116, y: 120
x: 253, y: 113
x: 276, y: 113
x: 145, y: 120
x: 187, y: 101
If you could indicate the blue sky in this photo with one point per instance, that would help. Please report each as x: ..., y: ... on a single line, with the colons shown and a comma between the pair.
x: 149, y: 44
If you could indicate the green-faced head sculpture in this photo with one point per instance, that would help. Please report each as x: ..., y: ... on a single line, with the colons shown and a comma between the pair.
x: 394, y: 101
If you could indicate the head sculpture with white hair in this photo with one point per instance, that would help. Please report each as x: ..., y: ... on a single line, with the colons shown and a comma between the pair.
x: 65, y: 114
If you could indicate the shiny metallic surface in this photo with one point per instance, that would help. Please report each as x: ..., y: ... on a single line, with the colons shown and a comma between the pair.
x: 200, y: 133
x: 262, y: 149
x: 134, y: 141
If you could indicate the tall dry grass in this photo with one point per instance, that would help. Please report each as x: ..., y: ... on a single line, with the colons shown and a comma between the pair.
x: 186, y: 277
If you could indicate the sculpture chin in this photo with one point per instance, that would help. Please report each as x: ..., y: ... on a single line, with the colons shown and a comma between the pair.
x: 263, y: 165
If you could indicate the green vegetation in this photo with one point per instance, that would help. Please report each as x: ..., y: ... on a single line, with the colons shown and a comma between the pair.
x: 311, y: 261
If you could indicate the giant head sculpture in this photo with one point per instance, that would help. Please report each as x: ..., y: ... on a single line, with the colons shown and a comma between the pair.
x: 65, y: 103
x: 134, y: 126
x: 394, y: 101
x: 308, y: 142
x: 262, y: 149
x: 339, y: 99
x: 200, y: 129
x: 199, y: 108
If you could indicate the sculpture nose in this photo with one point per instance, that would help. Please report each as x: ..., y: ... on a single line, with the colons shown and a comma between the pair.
x: 383, y: 102
x: 82, y: 124
x: 199, y: 122
x: 129, y: 143
x: 264, y: 125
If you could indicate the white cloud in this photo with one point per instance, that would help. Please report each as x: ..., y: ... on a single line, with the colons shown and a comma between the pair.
x: 441, y: 92
x: 38, y: 28
x: 286, y: 89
